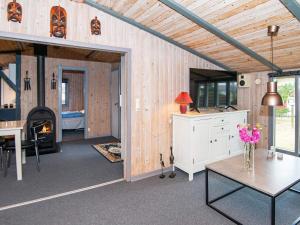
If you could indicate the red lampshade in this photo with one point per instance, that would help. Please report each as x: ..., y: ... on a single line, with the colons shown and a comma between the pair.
x: 183, y: 98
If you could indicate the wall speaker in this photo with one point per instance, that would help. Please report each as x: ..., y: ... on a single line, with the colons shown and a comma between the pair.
x: 243, y: 81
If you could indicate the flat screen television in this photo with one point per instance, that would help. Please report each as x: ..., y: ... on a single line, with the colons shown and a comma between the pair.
x: 212, y: 88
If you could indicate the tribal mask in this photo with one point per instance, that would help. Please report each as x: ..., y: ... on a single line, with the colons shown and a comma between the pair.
x: 95, y: 26
x: 14, y: 11
x: 58, y: 22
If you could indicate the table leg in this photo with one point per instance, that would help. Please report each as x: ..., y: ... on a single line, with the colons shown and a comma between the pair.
x: 18, y: 154
x: 23, y: 156
x: 206, y: 186
x: 273, y: 211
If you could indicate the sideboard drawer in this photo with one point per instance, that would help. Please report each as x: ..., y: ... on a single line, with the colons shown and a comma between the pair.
x: 220, y: 121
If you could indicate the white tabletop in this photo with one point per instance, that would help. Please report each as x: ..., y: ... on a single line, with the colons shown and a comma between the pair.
x: 9, y: 125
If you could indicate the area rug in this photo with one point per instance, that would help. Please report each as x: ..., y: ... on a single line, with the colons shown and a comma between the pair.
x: 111, y: 151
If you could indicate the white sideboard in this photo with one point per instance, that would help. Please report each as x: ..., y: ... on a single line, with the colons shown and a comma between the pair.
x: 201, y: 138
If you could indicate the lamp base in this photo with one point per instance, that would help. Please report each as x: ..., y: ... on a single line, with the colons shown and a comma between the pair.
x: 183, y: 108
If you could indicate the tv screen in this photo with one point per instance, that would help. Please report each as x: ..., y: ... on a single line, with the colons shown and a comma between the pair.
x: 211, y: 88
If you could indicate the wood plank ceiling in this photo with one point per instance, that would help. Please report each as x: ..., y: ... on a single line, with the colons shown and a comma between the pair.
x: 8, y: 51
x: 244, y: 20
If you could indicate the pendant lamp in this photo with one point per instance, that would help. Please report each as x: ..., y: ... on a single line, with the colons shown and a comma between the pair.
x: 272, y: 98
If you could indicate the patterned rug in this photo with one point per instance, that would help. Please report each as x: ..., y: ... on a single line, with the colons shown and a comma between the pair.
x: 111, y: 151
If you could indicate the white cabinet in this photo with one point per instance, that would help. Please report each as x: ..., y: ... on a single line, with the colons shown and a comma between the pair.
x: 203, y: 138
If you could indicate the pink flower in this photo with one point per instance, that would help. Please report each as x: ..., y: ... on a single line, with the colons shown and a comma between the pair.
x: 249, y: 136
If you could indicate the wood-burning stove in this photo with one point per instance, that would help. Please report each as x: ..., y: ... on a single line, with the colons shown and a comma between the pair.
x: 42, y: 114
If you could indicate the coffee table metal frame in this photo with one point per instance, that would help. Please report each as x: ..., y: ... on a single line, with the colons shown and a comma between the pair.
x: 272, y: 197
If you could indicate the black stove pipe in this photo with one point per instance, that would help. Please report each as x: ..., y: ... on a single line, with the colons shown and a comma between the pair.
x: 40, y: 51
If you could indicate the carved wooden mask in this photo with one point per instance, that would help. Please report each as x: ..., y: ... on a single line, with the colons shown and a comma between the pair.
x: 58, y: 22
x: 95, y: 26
x: 14, y: 11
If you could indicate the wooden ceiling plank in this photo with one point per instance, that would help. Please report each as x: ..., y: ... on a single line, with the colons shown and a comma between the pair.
x: 188, y: 14
x: 148, y: 7
x: 140, y: 26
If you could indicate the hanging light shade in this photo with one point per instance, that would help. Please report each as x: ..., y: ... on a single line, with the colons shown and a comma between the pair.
x: 272, y: 98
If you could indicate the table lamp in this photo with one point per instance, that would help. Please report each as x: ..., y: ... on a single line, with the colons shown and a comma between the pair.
x: 183, y: 99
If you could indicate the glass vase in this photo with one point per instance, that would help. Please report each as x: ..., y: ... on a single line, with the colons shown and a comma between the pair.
x: 249, y: 156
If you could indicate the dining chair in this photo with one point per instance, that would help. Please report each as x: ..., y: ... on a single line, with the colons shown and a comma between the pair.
x: 9, y: 147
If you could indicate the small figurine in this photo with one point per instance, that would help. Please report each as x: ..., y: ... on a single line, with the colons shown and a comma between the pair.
x: 58, y: 22
x: 14, y: 11
x: 173, y: 174
x: 27, y: 85
x: 95, y: 26
x: 53, y: 82
x: 162, y: 163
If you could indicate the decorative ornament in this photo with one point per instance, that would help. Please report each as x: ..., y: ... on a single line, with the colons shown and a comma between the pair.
x: 173, y: 174
x: 53, y: 82
x: 95, y: 26
x: 14, y: 11
x: 58, y: 22
x: 27, y: 85
x: 162, y: 164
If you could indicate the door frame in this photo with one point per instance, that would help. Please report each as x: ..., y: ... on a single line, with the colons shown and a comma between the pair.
x: 272, y: 121
x: 126, y: 76
x: 119, y: 94
x: 84, y: 70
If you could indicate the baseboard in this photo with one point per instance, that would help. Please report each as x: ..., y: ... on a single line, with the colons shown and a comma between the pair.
x: 150, y: 174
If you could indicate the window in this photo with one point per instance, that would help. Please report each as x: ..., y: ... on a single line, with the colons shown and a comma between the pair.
x: 221, y: 94
x: 218, y: 93
x: 232, y: 93
x: 286, y: 118
x: 65, y: 92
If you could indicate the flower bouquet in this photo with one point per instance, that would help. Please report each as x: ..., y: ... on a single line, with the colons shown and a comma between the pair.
x: 250, y: 136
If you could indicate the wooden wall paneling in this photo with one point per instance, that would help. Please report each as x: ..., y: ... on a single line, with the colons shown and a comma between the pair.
x: 250, y: 98
x: 167, y: 60
x: 99, y: 75
x: 28, y: 98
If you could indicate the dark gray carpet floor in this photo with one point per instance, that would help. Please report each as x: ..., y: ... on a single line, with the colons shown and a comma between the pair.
x: 155, y: 202
x: 72, y: 135
x: 78, y: 165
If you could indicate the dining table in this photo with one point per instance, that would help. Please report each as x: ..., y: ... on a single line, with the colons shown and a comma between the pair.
x: 15, y: 128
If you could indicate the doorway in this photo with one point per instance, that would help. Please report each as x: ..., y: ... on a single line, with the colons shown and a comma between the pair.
x: 126, y: 93
x: 115, y: 103
x: 73, y: 103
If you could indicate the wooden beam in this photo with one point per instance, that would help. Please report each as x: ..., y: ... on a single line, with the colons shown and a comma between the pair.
x: 214, y: 30
x: 8, y: 52
x: 18, y: 85
x: 90, y: 54
x: 8, y: 81
x: 293, y: 6
x: 155, y: 33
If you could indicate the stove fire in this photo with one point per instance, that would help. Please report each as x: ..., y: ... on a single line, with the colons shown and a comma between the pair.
x: 46, y: 129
